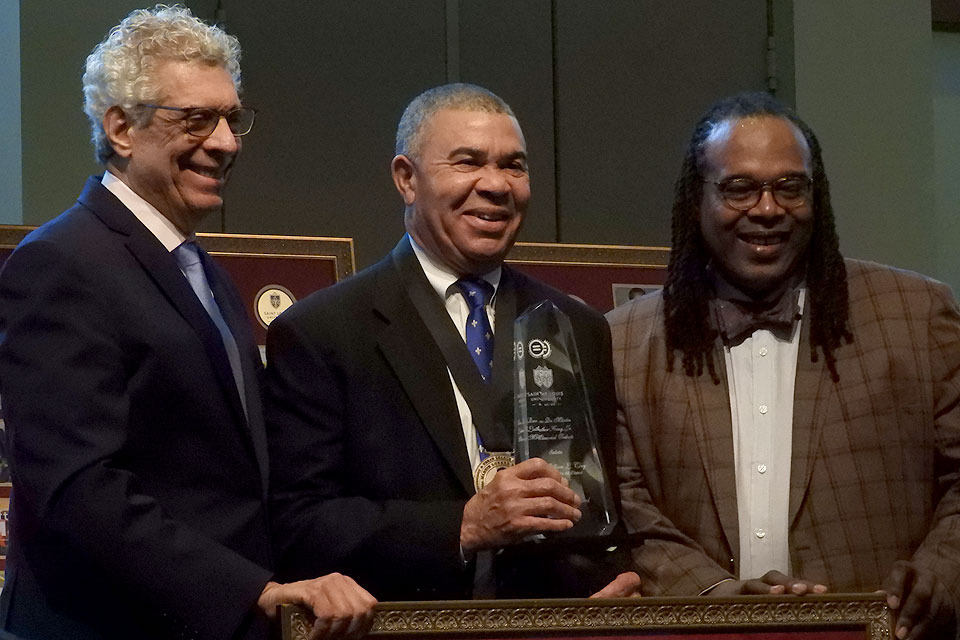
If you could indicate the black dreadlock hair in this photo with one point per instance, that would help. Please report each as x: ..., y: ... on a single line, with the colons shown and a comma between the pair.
x: 688, y: 287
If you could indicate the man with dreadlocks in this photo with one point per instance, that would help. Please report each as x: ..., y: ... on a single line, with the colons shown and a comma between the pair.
x: 788, y: 419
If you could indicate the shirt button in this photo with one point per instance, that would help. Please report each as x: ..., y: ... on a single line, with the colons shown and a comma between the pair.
x: 763, y: 351
x: 763, y: 409
x: 762, y: 468
x: 760, y: 533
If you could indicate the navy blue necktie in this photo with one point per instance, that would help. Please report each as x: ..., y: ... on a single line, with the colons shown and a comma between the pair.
x: 477, y: 292
x: 189, y: 260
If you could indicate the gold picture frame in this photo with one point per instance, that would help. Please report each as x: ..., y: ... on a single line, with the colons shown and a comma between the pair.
x: 259, y: 265
x: 825, y: 617
x: 602, y: 276
x: 338, y: 250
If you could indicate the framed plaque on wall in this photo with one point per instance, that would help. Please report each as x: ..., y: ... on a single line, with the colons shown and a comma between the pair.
x: 273, y: 272
x: 270, y: 272
x: 602, y: 276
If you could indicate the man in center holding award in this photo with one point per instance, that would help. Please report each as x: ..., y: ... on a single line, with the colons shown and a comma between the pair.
x: 391, y: 395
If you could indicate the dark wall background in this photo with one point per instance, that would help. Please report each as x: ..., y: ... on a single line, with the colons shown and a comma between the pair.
x: 55, y: 39
x: 606, y: 93
x: 632, y: 79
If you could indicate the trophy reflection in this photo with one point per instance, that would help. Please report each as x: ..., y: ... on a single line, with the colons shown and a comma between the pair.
x: 552, y: 415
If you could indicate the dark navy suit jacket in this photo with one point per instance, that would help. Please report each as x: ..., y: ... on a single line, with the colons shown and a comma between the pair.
x: 139, y: 500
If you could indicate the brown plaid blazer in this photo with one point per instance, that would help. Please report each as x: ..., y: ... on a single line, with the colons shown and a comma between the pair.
x: 875, y: 474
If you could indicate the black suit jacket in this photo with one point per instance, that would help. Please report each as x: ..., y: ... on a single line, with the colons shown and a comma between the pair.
x: 370, y: 472
x: 139, y: 505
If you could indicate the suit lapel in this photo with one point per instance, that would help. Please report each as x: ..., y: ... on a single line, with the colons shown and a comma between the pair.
x: 416, y: 361
x: 710, y: 408
x: 812, y: 391
x: 162, y: 268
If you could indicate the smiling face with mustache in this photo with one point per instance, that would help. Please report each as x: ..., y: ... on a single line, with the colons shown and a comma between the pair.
x: 756, y: 250
x: 467, y: 188
x: 180, y: 174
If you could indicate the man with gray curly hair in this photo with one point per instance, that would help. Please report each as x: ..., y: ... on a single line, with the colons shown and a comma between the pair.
x: 130, y: 380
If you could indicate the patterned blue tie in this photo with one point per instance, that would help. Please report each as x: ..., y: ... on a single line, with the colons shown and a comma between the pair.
x: 189, y: 260
x: 477, y: 292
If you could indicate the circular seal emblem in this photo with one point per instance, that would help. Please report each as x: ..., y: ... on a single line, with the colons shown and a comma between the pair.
x: 489, y: 466
x: 539, y: 348
x: 519, y: 350
x: 270, y: 302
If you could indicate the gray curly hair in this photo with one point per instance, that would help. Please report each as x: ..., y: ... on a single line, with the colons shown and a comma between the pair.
x: 458, y: 96
x: 121, y: 69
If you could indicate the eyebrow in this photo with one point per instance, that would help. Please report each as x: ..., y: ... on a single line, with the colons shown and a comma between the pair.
x: 748, y: 176
x: 472, y: 151
x: 217, y: 109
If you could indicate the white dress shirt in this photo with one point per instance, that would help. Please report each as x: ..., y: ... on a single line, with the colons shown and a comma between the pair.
x: 166, y: 232
x: 442, y: 280
x: 761, y: 373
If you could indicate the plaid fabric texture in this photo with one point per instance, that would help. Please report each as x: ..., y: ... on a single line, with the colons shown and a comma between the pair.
x: 875, y: 472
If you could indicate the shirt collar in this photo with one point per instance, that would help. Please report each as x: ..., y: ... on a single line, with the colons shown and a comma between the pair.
x: 442, y: 279
x: 156, y: 223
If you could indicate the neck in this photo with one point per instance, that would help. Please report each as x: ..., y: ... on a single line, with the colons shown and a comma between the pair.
x: 466, y: 270
x: 726, y: 290
x: 118, y: 167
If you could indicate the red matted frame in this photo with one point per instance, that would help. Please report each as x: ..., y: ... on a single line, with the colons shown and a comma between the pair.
x: 298, y: 264
x: 600, y: 275
x: 827, y: 617
x: 603, y: 276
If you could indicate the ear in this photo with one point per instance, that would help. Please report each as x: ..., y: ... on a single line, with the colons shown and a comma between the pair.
x: 117, y: 126
x: 404, y: 178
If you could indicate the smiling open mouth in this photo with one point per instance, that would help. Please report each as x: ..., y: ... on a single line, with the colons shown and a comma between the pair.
x: 216, y: 173
x: 763, y: 239
x: 491, y: 216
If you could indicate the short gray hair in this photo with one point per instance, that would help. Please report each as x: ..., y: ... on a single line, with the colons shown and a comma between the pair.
x: 458, y: 96
x: 121, y: 69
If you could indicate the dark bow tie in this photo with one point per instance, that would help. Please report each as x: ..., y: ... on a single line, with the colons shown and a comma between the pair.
x: 738, y: 319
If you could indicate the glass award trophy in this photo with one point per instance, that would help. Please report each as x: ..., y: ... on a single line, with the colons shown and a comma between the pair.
x: 552, y: 415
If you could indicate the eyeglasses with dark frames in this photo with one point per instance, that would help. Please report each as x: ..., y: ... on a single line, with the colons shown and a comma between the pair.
x: 744, y: 194
x: 202, y: 121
